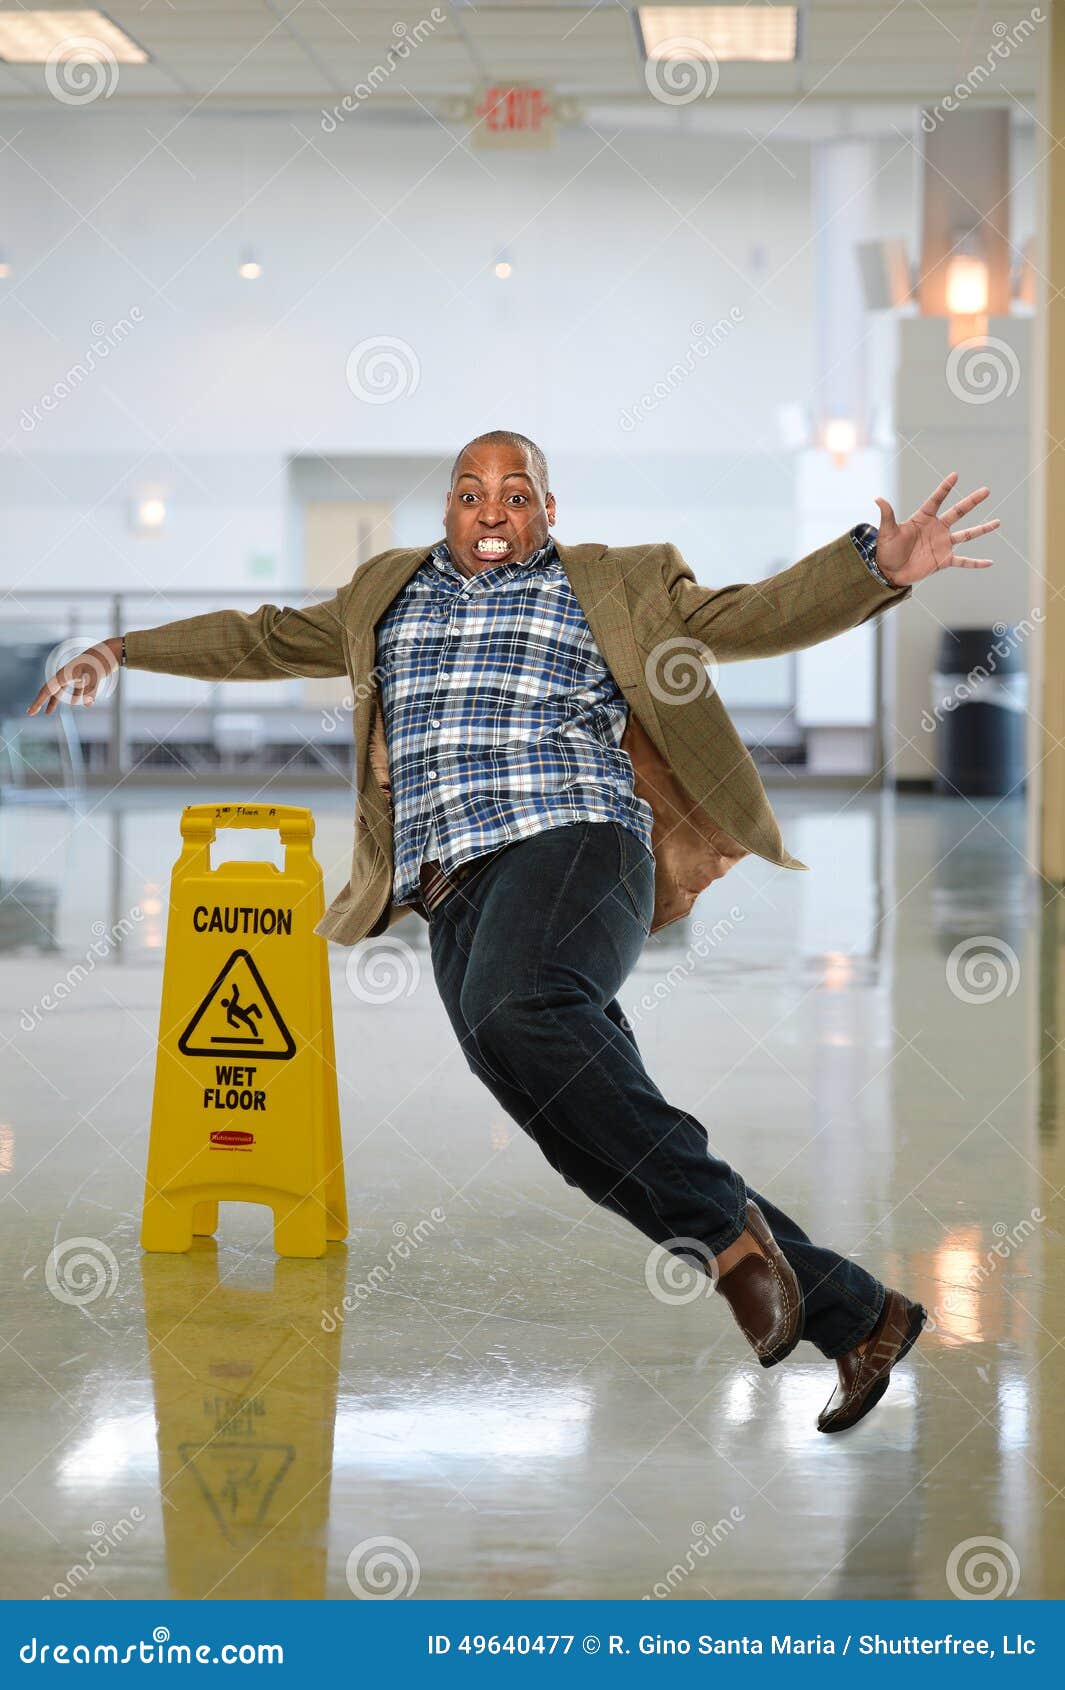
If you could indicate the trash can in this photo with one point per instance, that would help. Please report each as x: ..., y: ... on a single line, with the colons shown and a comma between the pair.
x: 979, y: 706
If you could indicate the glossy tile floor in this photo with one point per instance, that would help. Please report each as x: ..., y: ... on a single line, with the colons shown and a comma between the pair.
x: 504, y: 1401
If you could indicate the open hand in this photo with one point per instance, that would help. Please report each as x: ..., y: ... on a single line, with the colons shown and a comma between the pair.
x: 909, y: 551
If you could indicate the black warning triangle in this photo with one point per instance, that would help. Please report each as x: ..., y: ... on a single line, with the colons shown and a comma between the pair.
x: 238, y: 1481
x: 238, y: 1017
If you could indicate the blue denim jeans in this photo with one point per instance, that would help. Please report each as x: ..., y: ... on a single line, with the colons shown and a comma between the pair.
x: 528, y: 954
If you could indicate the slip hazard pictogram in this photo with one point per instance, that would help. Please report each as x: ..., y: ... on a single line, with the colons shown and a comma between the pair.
x: 238, y: 1017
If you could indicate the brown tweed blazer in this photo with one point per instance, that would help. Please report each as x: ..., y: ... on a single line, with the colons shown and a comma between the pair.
x: 660, y: 633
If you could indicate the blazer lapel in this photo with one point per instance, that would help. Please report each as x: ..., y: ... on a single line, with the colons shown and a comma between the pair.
x: 597, y: 587
x: 600, y: 592
x: 370, y: 599
x: 369, y: 602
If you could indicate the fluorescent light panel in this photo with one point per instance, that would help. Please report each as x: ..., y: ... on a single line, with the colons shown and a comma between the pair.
x: 728, y: 32
x: 29, y: 38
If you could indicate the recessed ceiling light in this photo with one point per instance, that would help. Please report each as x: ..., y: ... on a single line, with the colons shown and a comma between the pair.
x: 725, y: 32
x: 30, y: 38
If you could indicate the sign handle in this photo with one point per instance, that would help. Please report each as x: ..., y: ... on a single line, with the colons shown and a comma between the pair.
x: 201, y: 821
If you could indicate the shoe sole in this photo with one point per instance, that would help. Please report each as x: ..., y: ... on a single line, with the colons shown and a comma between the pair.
x: 913, y: 1332
x: 774, y: 1356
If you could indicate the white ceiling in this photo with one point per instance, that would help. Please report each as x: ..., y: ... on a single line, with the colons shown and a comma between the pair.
x: 270, y: 53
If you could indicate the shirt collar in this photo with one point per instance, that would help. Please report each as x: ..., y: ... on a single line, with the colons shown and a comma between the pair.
x: 546, y: 554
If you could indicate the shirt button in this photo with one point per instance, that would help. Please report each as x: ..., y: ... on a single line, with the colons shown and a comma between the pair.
x: 432, y: 774
x: 445, y: 676
x: 434, y: 723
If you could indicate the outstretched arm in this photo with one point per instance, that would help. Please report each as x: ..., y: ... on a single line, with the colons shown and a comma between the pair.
x: 824, y: 594
x: 267, y: 644
x: 829, y: 590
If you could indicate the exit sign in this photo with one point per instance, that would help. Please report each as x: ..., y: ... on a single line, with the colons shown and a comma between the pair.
x: 514, y: 114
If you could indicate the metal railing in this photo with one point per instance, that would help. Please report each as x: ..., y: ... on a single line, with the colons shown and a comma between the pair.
x: 85, y: 609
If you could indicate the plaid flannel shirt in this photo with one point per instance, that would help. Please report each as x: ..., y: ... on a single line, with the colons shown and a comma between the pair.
x: 501, y: 718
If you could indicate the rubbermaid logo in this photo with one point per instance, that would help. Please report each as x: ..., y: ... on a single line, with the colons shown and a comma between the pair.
x: 235, y: 1140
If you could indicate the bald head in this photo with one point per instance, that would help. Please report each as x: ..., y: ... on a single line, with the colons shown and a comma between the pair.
x: 498, y: 505
x: 518, y: 442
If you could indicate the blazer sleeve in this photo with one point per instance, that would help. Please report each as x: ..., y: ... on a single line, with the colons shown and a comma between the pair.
x: 267, y: 644
x: 824, y: 594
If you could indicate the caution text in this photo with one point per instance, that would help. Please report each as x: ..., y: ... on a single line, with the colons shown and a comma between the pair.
x: 240, y: 918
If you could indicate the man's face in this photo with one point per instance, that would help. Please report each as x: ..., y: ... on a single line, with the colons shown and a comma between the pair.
x: 497, y: 511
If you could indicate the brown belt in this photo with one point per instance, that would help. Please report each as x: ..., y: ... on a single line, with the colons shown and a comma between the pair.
x: 438, y: 883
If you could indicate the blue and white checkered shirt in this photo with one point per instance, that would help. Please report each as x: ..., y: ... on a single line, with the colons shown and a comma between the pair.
x: 501, y: 717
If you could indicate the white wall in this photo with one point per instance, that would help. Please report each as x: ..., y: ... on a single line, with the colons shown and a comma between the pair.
x: 393, y: 231
x: 639, y: 258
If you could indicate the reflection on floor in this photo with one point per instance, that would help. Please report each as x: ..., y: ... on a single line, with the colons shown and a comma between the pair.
x: 488, y: 1391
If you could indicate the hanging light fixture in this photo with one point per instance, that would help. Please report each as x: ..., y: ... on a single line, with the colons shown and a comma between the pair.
x: 967, y: 289
x: 840, y: 437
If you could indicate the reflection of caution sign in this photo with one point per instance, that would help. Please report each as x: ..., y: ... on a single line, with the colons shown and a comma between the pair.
x: 238, y: 1480
x: 238, y: 1017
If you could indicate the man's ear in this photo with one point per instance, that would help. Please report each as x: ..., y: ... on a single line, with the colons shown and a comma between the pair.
x: 550, y: 507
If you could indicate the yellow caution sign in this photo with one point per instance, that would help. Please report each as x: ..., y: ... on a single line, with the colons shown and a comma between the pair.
x: 245, y: 1106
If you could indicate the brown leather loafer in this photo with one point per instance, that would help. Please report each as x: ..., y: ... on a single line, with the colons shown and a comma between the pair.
x: 764, y: 1295
x: 864, y: 1374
